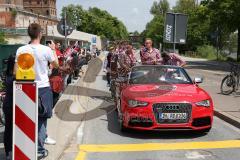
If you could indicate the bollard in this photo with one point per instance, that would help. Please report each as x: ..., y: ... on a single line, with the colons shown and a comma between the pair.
x: 25, y: 110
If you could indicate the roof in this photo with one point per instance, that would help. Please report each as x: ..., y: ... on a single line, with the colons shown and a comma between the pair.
x: 76, y: 35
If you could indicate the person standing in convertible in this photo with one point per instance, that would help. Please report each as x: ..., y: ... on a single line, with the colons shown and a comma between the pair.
x: 127, y: 60
x: 150, y: 55
x: 172, y: 59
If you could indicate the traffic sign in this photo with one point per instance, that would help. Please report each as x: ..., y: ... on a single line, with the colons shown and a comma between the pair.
x: 25, y: 120
x: 61, y: 27
x: 175, y: 28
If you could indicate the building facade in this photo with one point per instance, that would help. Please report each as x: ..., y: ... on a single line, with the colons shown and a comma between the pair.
x: 21, y: 13
x: 41, y: 7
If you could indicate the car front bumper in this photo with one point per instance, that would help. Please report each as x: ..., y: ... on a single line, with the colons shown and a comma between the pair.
x: 144, y: 118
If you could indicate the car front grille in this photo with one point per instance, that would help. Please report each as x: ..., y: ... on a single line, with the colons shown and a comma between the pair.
x: 159, y: 108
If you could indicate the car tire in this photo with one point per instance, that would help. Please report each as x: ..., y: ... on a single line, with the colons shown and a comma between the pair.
x: 120, y: 122
x: 121, y: 126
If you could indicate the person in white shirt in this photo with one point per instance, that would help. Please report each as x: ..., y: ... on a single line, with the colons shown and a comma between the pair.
x: 43, y: 55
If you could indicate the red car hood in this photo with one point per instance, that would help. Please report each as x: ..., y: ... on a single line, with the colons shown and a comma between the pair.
x: 165, y: 93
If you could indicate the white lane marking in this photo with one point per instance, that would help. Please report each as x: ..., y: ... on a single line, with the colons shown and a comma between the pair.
x: 80, y: 133
x: 197, y: 155
x: 26, y: 104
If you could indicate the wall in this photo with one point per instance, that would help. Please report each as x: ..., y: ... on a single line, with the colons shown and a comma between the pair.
x: 15, y: 39
x: 6, y: 19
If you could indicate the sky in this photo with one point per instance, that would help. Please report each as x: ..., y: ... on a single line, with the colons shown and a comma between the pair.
x: 135, y: 14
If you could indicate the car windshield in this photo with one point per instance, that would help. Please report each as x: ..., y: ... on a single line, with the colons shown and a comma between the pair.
x: 159, y: 74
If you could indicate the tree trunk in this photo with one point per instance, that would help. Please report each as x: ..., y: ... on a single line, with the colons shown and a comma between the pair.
x: 238, y: 48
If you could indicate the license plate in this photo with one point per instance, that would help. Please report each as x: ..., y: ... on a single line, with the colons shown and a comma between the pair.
x: 173, y: 116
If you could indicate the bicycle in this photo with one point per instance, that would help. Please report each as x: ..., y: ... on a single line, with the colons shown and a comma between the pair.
x: 231, y: 81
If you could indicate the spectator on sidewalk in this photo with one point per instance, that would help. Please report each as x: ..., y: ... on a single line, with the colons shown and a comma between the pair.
x: 59, y: 54
x: 8, y: 108
x: 43, y: 55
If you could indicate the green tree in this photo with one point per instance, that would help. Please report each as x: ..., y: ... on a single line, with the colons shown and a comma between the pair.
x: 185, y: 6
x: 96, y: 21
x: 198, y: 29
x: 155, y: 28
x: 160, y: 8
x: 225, y: 15
x: 2, y: 38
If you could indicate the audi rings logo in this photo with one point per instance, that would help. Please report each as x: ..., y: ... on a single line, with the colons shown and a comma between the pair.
x: 172, y: 107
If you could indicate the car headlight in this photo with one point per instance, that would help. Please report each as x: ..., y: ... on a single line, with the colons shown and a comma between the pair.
x: 135, y: 103
x: 204, y: 103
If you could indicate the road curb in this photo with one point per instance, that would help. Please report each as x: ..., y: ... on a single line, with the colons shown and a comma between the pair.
x: 227, y: 118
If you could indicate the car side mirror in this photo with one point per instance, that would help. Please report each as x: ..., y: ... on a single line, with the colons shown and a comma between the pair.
x: 198, y: 80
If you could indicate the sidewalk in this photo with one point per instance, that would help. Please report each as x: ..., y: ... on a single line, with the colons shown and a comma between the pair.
x: 226, y: 107
x: 69, y: 112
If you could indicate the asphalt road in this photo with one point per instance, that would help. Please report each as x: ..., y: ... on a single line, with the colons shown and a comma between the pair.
x: 99, y: 137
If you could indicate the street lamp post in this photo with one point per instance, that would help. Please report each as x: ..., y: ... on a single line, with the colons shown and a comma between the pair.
x: 65, y: 28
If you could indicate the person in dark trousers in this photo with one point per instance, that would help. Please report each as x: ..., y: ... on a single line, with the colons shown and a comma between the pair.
x: 108, y: 65
x: 43, y: 55
x: 8, y: 107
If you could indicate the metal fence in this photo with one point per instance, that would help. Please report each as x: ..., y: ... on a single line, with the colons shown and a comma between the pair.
x: 14, y: 31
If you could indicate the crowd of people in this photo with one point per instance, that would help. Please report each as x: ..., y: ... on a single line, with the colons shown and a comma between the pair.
x: 122, y: 57
x: 55, y: 68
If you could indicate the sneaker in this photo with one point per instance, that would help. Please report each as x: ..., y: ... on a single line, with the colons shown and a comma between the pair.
x: 42, y: 155
x: 50, y: 141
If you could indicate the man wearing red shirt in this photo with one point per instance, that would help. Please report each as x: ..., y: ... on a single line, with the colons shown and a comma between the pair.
x: 59, y: 54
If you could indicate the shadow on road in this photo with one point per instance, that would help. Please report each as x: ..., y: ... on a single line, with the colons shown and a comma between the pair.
x: 94, y: 68
x: 62, y: 108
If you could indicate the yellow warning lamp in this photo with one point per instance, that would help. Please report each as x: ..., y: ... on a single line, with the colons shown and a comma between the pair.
x: 25, y: 70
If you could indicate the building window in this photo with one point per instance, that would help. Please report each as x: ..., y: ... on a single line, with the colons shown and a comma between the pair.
x: 38, y: 2
x: 29, y: 1
x: 31, y: 10
x: 45, y: 1
x: 47, y: 12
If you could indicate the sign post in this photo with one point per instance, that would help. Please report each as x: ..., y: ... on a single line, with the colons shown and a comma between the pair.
x: 175, y: 31
x: 25, y: 110
x: 64, y: 27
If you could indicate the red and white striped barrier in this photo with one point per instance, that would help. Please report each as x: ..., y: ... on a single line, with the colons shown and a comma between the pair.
x: 25, y: 121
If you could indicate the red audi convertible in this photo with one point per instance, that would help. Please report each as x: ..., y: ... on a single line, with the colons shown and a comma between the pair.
x: 163, y: 98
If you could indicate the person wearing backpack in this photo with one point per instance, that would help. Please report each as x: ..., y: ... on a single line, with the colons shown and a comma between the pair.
x: 57, y: 85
